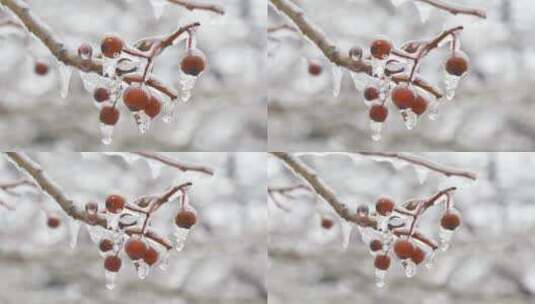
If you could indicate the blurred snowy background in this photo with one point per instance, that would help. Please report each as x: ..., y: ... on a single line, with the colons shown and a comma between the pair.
x: 224, y: 260
x: 491, y: 111
x: 490, y: 259
x: 228, y: 108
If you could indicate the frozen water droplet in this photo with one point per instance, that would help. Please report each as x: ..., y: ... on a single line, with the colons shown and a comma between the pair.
x: 164, y: 262
x: 74, y: 229
x: 434, y: 110
x: 187, y: 83
x: 158, y: 7
x: 65, y: 73
x: 109, y: 66
x: 106, y: 132
x: 142, y: 121
x: 429, y: 262
x: 421, y: 173
x: 424, y: 10
x: 169, y: 111
x: 445, y: 236
x: 155, y: 168
x: 380, y: 276
x: 378, y: 67
x: 360, y: 80
x: 382, y: 223
x: 451, y: 83
x: 94, y: 233
x: 338, y: 74
x: 110, y: 279
x: 377, y: 128
x: 142, y: 269
x: 90, y: 81
x: 181, y: 235
x: 397, y: 3
x: 113, y: 220
x: 410, y: 268
x: 409, y: 118
x: 346, y: 228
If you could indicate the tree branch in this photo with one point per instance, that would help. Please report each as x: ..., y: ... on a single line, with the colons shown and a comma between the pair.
x: 174, y: 163
x: 197, y: 5
x: 454, y: 8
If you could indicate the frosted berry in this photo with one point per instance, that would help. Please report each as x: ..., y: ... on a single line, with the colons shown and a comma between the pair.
x: 109, y: 115
x: 418, y: 255
x: 382, y: 262
x: 381, y: 48
x: 115, y: 203
x: 101, y: 94
x: 419, y: 105
x: 384, y: 206
x: 85, y: 51
x: 53, y: 221
x: 41, y: 68
x: 403, y: 249
x: 105, y: 245
x: 378, y: 113
x: 327, y: 223
x: 457, y: 65
x: 154, y: 107
x: 151, y: 256
x: 185, y: 219
x: 135, y: 248
x: 450, y: 221
x: 112, y: 263
x: 376, y: 245
x: 136, y: 98
x: 402, y: 96
x: 314, y: 68
x: 193, y: 63
x: 371, y: 93
x: 111, y: 46
x: 363, y: 210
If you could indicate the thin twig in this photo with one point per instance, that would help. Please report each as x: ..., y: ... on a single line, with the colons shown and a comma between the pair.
x: 174, y: 163
x: 197, y: 5
x: 454, y: 8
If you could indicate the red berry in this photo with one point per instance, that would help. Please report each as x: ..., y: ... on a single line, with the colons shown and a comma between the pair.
x: 376, y: 245
x: 314, y: 68
x: 457, y: 65
x: 419, y: 105
x: 384, y: 206
x: 135, y: 248
x: 327, y: 223
x: 53, y: 221
x: 85, y: 51
x: 450, y: 221
x: 403, y: 249
x: 112, y: 263
x: 193, y: 63
x: 109, y: 115
x: 101, y: 94
x: 382, y: 262
x: 41, y: 68
x: 402, y: 96
x: 111, y: 46
x: 151, y: 256
x: 418, y: 255
x: 371, y: 93
x: 105, y: 245
x: 136, y: 98
x: 115, y: 203
x: 154, y: 107
x: 185, y: 219
x: 381, y: 48
x: 378, y: 113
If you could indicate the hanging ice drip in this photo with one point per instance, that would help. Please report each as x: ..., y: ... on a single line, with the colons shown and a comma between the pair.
x: 455, y: 67
x: 449, y: 223
x: 192, y: 66
x: 184, y: 220
x: 158, y: 7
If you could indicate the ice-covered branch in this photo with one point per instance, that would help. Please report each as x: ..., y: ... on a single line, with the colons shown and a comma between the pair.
x: 174, y: 163
x: 197, y: 5
x: 454, y: 8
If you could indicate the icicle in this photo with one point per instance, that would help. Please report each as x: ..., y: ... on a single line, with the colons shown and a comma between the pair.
x: 397, y: 3
x: 74, y: 228
x: 94, y: 234
x: 65, y: 73
x: 110, y: 279
x: 378, y: 67
x: 380, y: 276
x: 410, y: 268
x: 155, y: 168
x: 409, y: 118
x: 107, y: 133
x: 181, y: 235
x: 164, y: 262
x: 109, y: 66
x: 382, y: 223
x: 445, y: 238
x: 429, y: 263
x: 424, y: 10
x: 142, y: 269
x: 434, y: 108
x: 421, y: 173
x: 346, y: 228
x: 113, y: 221
x: 158, y: 7
x: 451, y: 83
x: 90, y: 81
x: 169, y: 111
x: 187, y: 83
x: 338, y: 74
x: 377, y: 128
x: 142, y: 121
